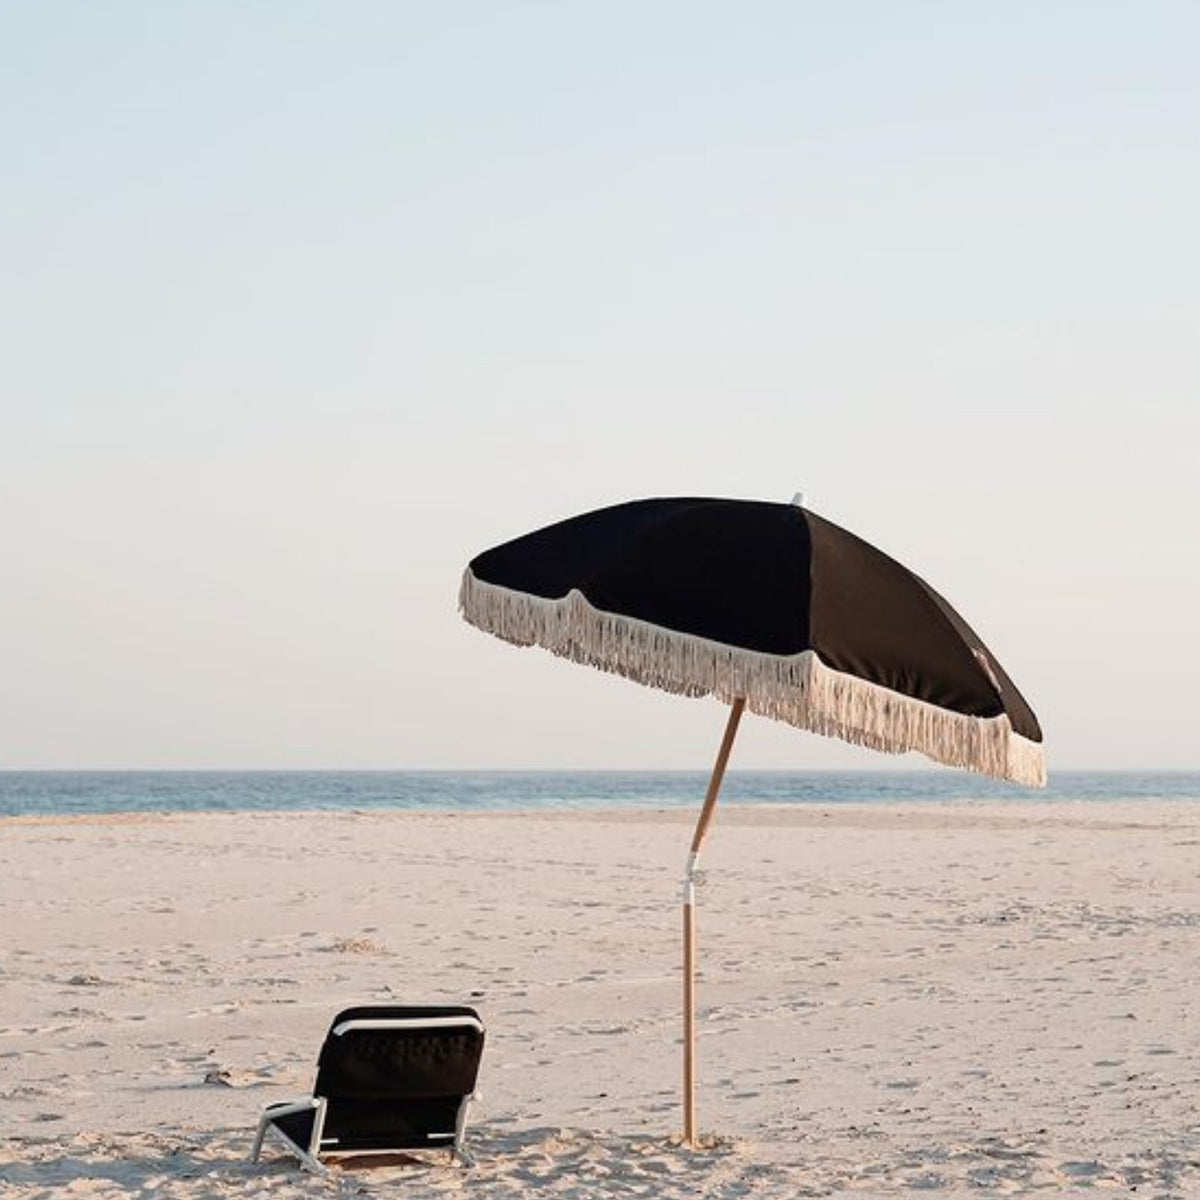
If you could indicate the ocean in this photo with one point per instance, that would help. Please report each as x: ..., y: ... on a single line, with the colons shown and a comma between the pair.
x: 88, y: 792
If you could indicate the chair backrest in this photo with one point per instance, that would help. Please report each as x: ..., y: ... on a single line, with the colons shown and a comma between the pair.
x: 394, y: 1076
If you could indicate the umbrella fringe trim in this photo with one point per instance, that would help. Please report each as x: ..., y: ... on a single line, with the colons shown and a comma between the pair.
x: 797, y: 689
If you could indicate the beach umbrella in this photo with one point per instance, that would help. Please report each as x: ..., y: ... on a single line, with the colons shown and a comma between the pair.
x: 767, y: 607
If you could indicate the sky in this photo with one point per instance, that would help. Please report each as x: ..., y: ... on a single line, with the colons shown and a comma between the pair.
x: 303, y: 303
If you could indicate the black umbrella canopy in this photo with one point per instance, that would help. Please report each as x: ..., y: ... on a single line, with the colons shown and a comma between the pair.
x: 769, y: 603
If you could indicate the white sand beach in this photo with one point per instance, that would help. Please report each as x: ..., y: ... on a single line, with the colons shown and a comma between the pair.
x: 960, y: 1000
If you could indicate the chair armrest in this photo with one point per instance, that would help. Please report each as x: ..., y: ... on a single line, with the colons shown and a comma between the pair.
x: 286, y: 1108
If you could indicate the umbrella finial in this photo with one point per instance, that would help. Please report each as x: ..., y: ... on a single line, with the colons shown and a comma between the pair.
x: 798, y: 500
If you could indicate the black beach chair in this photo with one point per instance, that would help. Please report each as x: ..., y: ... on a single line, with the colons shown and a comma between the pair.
x: 389, y: 1079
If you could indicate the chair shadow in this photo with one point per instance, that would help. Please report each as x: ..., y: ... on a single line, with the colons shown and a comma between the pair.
x: 137, y: 1170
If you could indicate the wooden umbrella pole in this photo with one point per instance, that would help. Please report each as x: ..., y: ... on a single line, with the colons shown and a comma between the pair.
x: 689, y: 923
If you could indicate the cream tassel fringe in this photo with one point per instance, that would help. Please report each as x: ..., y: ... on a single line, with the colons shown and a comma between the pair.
x: 799, y: 689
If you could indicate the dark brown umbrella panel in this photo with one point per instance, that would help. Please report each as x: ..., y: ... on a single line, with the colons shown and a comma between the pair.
x: 767, y: 607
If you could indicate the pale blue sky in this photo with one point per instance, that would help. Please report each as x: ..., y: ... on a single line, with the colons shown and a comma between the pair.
x: 303, y: 304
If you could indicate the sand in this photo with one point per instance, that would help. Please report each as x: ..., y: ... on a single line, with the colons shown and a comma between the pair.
x: 960, y: 1000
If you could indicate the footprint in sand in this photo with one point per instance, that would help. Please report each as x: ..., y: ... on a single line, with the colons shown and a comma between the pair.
x: 1089, y: 1171
x: 925, y: 1183
x: 216, y: 1010
x: 232, y: 1078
